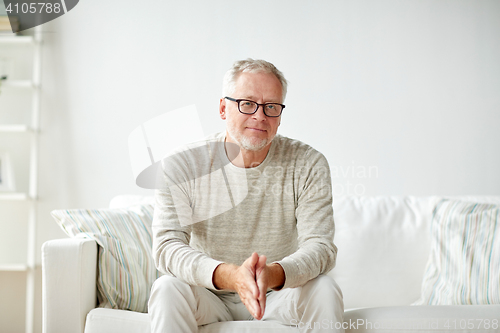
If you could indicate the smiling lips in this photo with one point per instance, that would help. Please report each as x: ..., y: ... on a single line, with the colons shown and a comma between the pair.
x: 256, y: 129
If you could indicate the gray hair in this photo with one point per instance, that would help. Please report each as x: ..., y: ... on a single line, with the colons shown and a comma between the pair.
x: 251, y: 66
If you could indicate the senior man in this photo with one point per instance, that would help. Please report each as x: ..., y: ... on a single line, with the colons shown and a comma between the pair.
x: 265, y: 257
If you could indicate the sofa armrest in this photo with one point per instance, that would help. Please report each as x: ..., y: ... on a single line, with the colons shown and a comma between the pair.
x: 68, y: 284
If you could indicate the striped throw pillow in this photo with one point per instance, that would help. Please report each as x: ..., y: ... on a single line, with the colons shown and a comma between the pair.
x: 126, y: 269
x: 464, y: 265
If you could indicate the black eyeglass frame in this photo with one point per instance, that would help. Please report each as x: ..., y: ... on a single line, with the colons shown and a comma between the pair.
x: 263, y: 106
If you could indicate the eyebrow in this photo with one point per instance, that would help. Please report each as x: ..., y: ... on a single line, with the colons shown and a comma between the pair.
x: 251, y: 98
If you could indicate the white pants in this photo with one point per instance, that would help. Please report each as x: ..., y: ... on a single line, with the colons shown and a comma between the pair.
x: 175, y: 306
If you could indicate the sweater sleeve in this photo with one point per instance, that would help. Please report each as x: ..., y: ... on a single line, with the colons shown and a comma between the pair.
x: 316, y: 253
x: 171, y: 250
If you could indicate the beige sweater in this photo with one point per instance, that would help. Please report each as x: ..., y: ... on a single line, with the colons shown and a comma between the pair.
x: 211, y: 214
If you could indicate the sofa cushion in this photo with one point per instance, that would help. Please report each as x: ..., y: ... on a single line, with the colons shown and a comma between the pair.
x: 424, y: 319
x: 383, y: 246
x: 107, y: 321
x: 464, y: 264
x: 126, y: 269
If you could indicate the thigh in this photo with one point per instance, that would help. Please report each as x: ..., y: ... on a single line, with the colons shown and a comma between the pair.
x: 209, y: 307
x: 236, y: 307
x: 176, y: 300
x: 317, y: 301
x: 281, y: 306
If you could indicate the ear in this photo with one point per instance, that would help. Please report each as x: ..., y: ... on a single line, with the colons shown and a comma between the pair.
x: 222, y: 108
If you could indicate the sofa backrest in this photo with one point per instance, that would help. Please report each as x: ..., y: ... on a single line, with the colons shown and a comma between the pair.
x: 383, y: 245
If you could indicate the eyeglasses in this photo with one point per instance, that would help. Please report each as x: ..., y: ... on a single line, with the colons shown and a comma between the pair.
x: 250, y: 107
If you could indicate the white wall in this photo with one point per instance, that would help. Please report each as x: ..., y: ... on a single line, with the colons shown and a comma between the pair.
x: 401, y: 96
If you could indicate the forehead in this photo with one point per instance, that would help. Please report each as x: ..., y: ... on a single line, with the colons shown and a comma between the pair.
x: 258, y: 85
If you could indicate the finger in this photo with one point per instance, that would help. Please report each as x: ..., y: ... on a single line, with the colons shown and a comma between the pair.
x: 250, y: 263
x: 247, y: 274
x: 256, y: 313
x: 262, y: 262
x: 251, y: 286
x: 262, y: 305
x: 262, y: 297
x: 254, y: 258
x: 254, y: 290
x: 262, y: 284
x: 248, y: 287
x: 252, y: 304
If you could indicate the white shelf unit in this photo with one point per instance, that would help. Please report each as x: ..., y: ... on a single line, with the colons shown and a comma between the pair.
x: 19, y: 83
x: 14, y: 128
x: 31, y: 130
x: 14, y: 268
x: 13, y: 197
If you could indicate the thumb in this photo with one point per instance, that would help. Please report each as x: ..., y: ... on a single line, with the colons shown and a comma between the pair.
x: 262, y: 262
x: 254, y: 259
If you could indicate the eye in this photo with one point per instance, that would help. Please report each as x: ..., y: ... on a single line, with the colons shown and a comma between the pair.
x: 271, y: 106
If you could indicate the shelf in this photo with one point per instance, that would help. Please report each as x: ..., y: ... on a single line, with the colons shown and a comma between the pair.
x: 13, y: 268
x: 18, y: 83
x: 15, y: 196
x: 27, y: 48
x: 13, y: 39
x: 15, y: 128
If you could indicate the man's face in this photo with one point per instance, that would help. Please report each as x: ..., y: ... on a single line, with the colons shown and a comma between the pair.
x: 252, y: 131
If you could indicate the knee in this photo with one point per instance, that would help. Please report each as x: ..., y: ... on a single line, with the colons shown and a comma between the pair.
x: 327, y: 281
x: 168, y: 286
x: 324, y: 285
x: 321, y: 299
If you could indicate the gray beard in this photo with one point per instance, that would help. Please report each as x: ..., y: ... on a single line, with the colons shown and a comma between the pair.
x: 246, y: 144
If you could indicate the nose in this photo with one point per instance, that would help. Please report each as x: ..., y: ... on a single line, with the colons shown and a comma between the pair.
x: 259, y: 114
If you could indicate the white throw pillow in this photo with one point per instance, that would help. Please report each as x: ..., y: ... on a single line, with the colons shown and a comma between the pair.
x: 464, y: 264
x: 126, y: 269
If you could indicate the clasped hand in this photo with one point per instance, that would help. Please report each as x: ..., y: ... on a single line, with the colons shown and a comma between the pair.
x: 251, y: 281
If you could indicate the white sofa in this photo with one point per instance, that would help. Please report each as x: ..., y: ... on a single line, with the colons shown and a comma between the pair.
x: 384, y: 245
